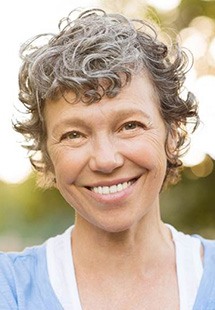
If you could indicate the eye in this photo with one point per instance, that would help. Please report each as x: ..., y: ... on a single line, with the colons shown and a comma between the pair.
x: 72, y: 135
x: 132, y: 125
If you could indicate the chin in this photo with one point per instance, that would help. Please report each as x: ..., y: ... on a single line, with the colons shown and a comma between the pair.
x: 116, y: 227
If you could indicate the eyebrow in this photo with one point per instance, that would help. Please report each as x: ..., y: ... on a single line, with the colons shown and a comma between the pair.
x: 85, y: 123
x: 129, y: 113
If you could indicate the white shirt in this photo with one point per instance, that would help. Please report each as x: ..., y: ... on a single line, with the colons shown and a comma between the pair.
x: 61, y: 270
x: 189, y: 267
x: 62, y: 273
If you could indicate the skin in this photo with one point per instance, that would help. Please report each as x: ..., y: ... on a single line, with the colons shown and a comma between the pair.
x: 114, y: 141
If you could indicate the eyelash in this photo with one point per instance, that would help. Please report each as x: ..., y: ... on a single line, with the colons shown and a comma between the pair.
x: 138, y: 124
x: 67, y: 134
x: 123, y: 127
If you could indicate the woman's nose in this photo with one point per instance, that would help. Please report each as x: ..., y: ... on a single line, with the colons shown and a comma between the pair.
x: 105, y: 157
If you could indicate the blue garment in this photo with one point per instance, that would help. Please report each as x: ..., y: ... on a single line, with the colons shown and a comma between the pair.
x: 24, y: 281
x: 205, y: 299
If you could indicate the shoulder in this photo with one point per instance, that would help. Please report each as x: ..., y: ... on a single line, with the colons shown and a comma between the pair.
x: 26, y: 254
x: 206, y: 294
x: 16, y: 273
x: 22, y: 264
x: 208, y: 247
x: 24, y: 277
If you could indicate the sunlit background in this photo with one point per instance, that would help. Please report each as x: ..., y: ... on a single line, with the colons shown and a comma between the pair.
x: 193, y: 20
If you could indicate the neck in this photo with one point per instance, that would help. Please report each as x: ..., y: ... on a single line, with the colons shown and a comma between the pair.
x: 143, y: 244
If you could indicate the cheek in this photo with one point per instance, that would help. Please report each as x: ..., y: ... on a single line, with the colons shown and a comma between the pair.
x: 68, y: 164
x: 148, y: 152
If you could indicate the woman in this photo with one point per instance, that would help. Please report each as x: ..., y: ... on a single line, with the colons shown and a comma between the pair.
x: 108, y: 122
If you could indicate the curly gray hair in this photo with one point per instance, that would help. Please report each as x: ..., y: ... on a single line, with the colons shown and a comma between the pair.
x: 96, y: 55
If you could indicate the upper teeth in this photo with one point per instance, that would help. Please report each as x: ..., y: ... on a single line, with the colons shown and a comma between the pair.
x: 105, y: 190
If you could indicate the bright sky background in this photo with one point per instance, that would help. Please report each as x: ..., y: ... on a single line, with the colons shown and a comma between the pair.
x: 22, y: 19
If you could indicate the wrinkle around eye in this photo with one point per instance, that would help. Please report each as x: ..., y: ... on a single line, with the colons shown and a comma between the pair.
x: 73, y: 138
x: 131, y: 128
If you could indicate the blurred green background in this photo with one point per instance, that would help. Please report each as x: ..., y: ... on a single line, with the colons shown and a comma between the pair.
x: 29, y: 215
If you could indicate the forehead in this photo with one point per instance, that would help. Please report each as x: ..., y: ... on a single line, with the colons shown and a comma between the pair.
x: 138, y: 95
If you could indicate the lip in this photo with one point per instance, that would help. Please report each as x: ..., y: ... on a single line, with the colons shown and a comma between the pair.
x: 111, y: 182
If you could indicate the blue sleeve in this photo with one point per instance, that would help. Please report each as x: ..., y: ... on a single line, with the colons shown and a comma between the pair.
x: 8, y: 297
x: 24, y: 281
x: 205, y: 299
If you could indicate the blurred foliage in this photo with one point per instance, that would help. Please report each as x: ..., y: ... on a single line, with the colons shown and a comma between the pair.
x: 32, y: 215
x: 181, y: 16
x: 189, y: 9
x: 178, y: 18
x: 190, y: 205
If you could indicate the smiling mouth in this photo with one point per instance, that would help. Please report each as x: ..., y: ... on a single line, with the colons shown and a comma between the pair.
x: 107, y: 190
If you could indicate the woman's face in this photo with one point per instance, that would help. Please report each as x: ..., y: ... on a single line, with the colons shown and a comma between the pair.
x: 109, y: 157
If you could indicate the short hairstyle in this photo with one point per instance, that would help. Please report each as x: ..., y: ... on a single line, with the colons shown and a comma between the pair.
x: 96, y: 55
